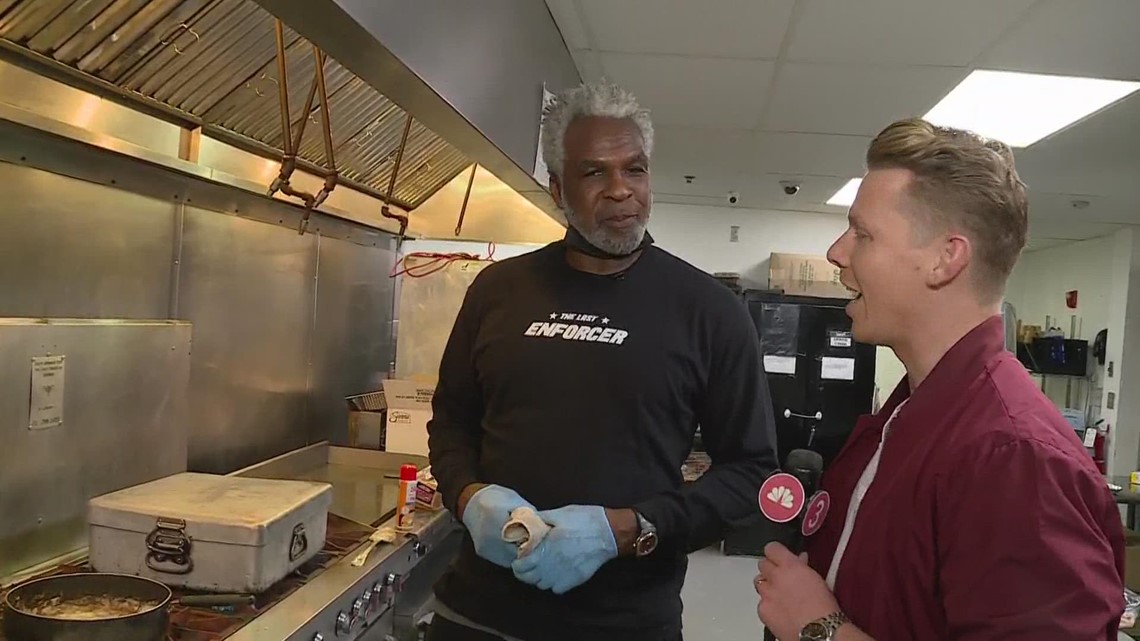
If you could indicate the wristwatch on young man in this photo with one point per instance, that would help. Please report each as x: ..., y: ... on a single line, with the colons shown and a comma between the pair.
x: 646, y: 541
x: 824, y: 629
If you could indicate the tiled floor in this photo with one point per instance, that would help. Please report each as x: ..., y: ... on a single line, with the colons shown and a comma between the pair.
x: 720, y: 604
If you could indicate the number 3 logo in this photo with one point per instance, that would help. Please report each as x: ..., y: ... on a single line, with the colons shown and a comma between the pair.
x: 816, y: 513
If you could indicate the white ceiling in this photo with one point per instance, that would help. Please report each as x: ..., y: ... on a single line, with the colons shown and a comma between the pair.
x: 745, y: 93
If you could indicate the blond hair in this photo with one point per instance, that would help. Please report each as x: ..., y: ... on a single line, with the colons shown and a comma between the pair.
x: 962, y: 182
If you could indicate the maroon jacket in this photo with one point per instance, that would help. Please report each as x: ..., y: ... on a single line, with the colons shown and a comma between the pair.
x: 986, y: 521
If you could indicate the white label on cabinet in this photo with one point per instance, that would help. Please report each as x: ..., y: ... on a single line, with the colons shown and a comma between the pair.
x: 837, y: 369
x: 840, y: 340
x: 780, y: 364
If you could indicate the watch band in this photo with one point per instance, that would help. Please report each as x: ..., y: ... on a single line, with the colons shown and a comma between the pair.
x: 643, y: 524
x: 824, y: 629
x: 646, y: 541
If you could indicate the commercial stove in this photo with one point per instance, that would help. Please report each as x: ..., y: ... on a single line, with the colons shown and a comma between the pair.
x: 328, y: 599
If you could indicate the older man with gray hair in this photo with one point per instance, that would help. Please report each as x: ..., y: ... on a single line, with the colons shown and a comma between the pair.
x: 573, y: 384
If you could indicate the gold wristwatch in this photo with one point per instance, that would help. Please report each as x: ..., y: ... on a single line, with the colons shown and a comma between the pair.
x: 823, y: 629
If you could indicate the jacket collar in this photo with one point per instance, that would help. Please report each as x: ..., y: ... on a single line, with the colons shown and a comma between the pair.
x: 965, y: 361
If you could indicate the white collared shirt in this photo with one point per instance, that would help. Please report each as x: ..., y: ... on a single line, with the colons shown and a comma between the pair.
x: 857, y: 495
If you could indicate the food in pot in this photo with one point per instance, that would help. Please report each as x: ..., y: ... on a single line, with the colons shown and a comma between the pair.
x: 90, y: 607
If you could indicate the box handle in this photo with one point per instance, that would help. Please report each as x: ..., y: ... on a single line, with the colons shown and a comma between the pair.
x: 168, y: 547
x: 299, y: 544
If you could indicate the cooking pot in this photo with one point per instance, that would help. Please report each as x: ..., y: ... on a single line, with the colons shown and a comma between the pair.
x: 32, y: 609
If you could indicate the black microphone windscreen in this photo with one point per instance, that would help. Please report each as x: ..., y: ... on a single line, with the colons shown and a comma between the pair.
x: 804, y: 460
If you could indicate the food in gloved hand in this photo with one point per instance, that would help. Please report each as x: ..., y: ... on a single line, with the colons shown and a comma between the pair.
x: 526, y: 529
x: 579, y: 542
x: 485, y: 516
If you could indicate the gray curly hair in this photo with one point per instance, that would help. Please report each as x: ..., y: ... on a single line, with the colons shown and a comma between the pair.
x: 588, y: 100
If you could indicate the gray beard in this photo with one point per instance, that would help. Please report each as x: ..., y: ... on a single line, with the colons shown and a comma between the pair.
x: 619, y: 243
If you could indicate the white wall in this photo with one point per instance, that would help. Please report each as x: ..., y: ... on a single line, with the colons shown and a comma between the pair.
x: 1123, y: 353
x: 1038, y: 284
x: 700, y: 235
x: 1037, y: 289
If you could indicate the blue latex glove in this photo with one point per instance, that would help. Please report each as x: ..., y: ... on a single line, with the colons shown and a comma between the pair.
x: 486, y: 513
x: 580, y: 541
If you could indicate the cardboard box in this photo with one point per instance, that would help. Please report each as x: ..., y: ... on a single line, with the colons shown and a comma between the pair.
x: 1132, y: 560
x: 408, y: 413
x: 804, y: 275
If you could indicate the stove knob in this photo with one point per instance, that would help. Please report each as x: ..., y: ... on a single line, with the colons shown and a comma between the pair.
x: 343, y: 624
x: 420, y: 549
x: 368, y: 600
x: 392, y: 585
x: 377, y: 593
x: 318, y: 637
x: 357, y: 611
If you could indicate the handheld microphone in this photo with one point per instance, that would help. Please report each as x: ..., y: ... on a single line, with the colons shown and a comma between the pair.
x: 783, y: 496
x: 807, y: 467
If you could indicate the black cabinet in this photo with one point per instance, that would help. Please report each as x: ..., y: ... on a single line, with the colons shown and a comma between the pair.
x: 821, y: 382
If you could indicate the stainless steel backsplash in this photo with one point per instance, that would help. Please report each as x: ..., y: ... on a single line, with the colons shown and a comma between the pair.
x: 284, y: 326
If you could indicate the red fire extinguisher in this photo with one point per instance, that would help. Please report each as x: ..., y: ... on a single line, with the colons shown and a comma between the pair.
x: 1100, y: 449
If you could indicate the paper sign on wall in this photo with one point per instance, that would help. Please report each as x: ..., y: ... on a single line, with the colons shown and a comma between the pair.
x: 780, y: 364
x: 837, y: 369
x: 47, y: 393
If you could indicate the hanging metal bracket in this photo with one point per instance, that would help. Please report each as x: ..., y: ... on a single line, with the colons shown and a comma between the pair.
x: 466, y: 198
x: 291, y: 144
x: 385, y: 209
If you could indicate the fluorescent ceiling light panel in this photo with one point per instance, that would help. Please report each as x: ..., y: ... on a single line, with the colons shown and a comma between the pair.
x: 1021, y: 108
x: 846, y: 194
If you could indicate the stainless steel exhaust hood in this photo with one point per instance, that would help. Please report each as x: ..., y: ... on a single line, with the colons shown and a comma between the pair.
x: 213, y: 63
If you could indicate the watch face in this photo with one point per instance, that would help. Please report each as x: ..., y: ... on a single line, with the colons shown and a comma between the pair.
x: 814, y: 632
x: 646, y: 544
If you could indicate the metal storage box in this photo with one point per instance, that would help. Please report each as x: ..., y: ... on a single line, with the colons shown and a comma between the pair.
x: 208, y: 532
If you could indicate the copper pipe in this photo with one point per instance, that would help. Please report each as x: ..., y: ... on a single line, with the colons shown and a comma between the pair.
x: 329, y: 157
x: 289, y: 157
x: 399, y: 157
x: 283, y: 86
x: 304, y: 118
x: 385, y: 210
x: 326, y: 118
x: 466, y: 197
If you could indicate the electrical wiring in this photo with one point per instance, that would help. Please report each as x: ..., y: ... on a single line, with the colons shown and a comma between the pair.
x: 435, y: 262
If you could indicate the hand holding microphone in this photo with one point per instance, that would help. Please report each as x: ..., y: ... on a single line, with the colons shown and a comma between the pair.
x: 791, y: 593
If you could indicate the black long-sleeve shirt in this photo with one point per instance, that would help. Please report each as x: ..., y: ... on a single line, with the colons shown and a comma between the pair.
x: 574, y: 388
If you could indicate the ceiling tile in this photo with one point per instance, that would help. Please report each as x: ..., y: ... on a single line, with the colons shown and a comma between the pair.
x: 701, y: 152
x: 810, y: 154
x: 714, y: 28
x: 568, y: 19
x: 1098, y: 156
x: 1038, y: 244
x: 589, y: 64
x: 843, y: 99
x: 1045, y: 208
x: 1089, y: 38
x: 708, y: 92
x: 1069, y: 230
x: 921, y: 32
